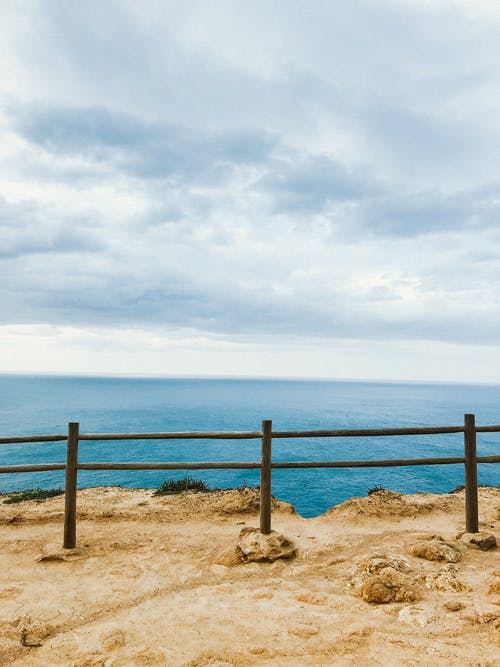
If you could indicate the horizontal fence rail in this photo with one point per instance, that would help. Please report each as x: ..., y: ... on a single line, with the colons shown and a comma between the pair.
x: 367, y: 432
x: 265, y: 465
x: 179, y: 465
x: 252, y: 435
x: 193, y: 435
x: 32, y: 438
x: 33, y: 467
x: 246, y: 465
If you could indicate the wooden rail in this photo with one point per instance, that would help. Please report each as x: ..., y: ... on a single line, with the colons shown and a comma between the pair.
x: 265, y: 465
x: 364, y: 432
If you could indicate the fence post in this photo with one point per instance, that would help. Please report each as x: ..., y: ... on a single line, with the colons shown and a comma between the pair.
x: 70, y: 486
x: 265, y: 478
x: 470, y: 473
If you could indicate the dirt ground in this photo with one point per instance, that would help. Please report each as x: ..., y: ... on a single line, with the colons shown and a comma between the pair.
x: 159, y: 581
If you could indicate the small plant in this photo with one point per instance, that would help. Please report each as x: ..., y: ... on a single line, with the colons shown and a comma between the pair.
x: 375, y: 489
x: 37, y: 494
x: 171, y: 486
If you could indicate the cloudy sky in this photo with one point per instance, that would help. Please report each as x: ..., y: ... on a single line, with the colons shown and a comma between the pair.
x: 300, y: 188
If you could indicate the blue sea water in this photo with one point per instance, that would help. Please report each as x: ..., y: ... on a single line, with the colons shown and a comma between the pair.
x: 42, y: 405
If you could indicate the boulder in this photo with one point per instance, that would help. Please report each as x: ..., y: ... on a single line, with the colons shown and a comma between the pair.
x: 256, y: 547
x: 381, y: 579
x: 389, y: 586
x: 435, y: 548
x: 481, y: 540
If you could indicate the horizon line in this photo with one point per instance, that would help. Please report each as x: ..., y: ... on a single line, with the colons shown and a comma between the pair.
x: 263, y: 378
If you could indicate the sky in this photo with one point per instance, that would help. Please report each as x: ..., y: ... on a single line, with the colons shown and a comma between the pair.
x: 279, y: 188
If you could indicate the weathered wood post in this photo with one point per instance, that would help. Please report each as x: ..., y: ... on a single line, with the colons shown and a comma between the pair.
x: 70, y: 486
x: 265, y: 478
x: 470, y: 473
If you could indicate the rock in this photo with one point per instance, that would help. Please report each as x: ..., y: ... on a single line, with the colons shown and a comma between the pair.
x: 481, y: 540
x: 435, y: 548
x: 389, y: 586
x: 230, y: 557
x: 50, y: 558
x: 454, y: 605
x: 382, y: 579
x: 33, y: 632
x: 445, y: 580
x: 378, y: 562
x: 417, y: 615
x: 254, y: 546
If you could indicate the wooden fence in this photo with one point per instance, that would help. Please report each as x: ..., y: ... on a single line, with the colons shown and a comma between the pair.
x: 266, y: 464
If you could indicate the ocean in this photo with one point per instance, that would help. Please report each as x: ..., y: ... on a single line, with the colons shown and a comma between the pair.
x: 42, y: 405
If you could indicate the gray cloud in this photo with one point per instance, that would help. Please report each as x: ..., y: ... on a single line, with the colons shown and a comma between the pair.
x: 297, y: 183
x: 141, y: 149
x: 120, y: 301
x: 26, y: 229
x: 430, y: 212
x: 307, y: 183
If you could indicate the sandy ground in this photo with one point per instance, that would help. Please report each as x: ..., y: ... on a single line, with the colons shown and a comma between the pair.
x: 158, y: 581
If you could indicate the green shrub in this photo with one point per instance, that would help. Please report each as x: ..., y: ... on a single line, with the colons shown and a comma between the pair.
x: 37, y: 494
x: 172, y: 486
x: 375, y: 489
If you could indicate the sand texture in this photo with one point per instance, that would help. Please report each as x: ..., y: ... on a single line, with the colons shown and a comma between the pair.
x: 382, y: 580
